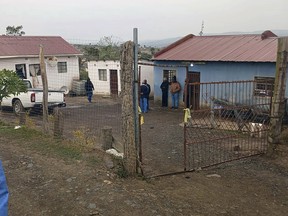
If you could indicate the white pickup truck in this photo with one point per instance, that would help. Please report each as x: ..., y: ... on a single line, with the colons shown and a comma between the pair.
x: 32, y: 99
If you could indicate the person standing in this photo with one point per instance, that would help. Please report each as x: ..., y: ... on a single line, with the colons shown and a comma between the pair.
x: 148, y: 95
x: 144, y: 90
x: 4, y: 194
x: 89, y: 87
x: 175, y: 89
x: 164, y: 87
x: 186, y: 93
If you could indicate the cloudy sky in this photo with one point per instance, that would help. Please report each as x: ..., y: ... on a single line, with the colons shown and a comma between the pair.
x: 154, y: 19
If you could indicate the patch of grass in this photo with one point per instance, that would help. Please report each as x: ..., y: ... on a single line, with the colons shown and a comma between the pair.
x: 36, y: 140
x: 120, y: 168
x: 83, y: 138
x: 93, y: 161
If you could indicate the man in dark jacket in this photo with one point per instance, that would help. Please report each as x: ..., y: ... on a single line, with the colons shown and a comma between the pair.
x: 144, y: 94
x: 164, y: 87
x: 89, y: 87
x: 148, y: 95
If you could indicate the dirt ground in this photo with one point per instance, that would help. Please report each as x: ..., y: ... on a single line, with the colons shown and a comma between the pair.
x: 42, y: 182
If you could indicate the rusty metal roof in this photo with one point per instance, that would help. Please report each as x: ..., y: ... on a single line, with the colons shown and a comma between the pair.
x: 12, y: 46
x: 231, y: 48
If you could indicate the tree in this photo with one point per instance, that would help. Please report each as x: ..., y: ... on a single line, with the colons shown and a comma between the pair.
x: 14, y: 31
x: 10, y: 83
x: 109, y: 49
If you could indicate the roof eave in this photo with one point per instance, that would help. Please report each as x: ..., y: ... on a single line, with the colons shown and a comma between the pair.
x: 37, y: 56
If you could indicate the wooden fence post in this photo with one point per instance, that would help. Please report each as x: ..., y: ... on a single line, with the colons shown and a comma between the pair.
x: 22, y: 118
x: 45, y: 90
x: 128, y: 121
x: 58, y: 123
x: 106, y: 138
x: 278, y: 100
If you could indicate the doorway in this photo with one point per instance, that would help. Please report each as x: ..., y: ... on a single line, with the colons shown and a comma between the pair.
x: 193, y: 90
x: 113, y: 82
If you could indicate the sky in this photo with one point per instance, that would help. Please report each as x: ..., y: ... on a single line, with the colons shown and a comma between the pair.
x: 91, y: 20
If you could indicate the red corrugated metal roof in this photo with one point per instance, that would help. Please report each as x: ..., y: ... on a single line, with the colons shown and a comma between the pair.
x: 29, y: 46
x: 232, y: 48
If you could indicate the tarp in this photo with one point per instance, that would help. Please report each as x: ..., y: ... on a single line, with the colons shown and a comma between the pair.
x: 3, y: 193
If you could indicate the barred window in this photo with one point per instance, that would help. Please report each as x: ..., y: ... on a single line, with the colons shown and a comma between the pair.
x: 264, y: 86
x: 62, y: 67
x: 169, y: 74
x: 102, y: 74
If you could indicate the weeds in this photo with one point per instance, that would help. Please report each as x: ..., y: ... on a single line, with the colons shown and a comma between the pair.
x: 84, y: 139
x: 120, y: 167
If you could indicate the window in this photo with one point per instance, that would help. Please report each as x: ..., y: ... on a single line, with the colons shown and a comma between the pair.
x: 169, y: 74
x: 102, y: 74
x: 264, y: 86
x: 34, y: 70
x: 21, y: 70
x: 62, y: 67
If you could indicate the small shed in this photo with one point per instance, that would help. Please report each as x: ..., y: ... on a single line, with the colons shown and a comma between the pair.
x: 105, y: 75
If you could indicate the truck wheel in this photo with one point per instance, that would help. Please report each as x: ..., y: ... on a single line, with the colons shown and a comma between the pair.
x: 18, y: 107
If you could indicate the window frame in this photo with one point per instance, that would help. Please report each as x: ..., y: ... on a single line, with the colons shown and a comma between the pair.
x: 39, y: 69
x: 102, y: 74
x: 169, y: 74
x: 263, y: 86
x: 62, y: 67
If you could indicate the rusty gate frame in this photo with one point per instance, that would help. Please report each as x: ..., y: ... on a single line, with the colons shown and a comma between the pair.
x: 225, y: 97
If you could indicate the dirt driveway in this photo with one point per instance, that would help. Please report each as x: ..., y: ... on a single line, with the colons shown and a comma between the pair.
x: 46, y: 182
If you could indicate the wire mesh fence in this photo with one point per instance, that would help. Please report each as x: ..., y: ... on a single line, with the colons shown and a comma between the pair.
x: 67, y: 73
x: 229, y: 121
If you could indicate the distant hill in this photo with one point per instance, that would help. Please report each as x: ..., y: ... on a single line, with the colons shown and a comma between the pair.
x: 165, y: 42
x: 158, y: 43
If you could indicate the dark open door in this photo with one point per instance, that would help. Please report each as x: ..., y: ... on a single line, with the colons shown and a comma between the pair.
x: 193, y: 96
x: 113, y: 82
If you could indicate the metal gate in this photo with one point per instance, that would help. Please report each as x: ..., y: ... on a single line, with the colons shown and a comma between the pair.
x: 230, y: 122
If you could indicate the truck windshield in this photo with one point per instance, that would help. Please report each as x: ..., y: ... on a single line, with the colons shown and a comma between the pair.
x: 27, y: 83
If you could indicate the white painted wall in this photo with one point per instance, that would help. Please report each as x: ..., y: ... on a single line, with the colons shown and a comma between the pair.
x: 147, y: 72
x: 55, y: 80
x: 103, y: 87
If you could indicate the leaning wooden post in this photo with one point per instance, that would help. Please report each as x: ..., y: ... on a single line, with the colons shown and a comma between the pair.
x: 45, y: 91
x: 278, y: 100
x: 22, y: 118
x: 128, y: 121
x: 106, y: 137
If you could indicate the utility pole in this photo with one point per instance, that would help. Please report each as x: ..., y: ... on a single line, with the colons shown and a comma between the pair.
x: 278, y: 100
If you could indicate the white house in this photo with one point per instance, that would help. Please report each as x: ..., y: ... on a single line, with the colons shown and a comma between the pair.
x: 105, y: 75
x: 21, y: 54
